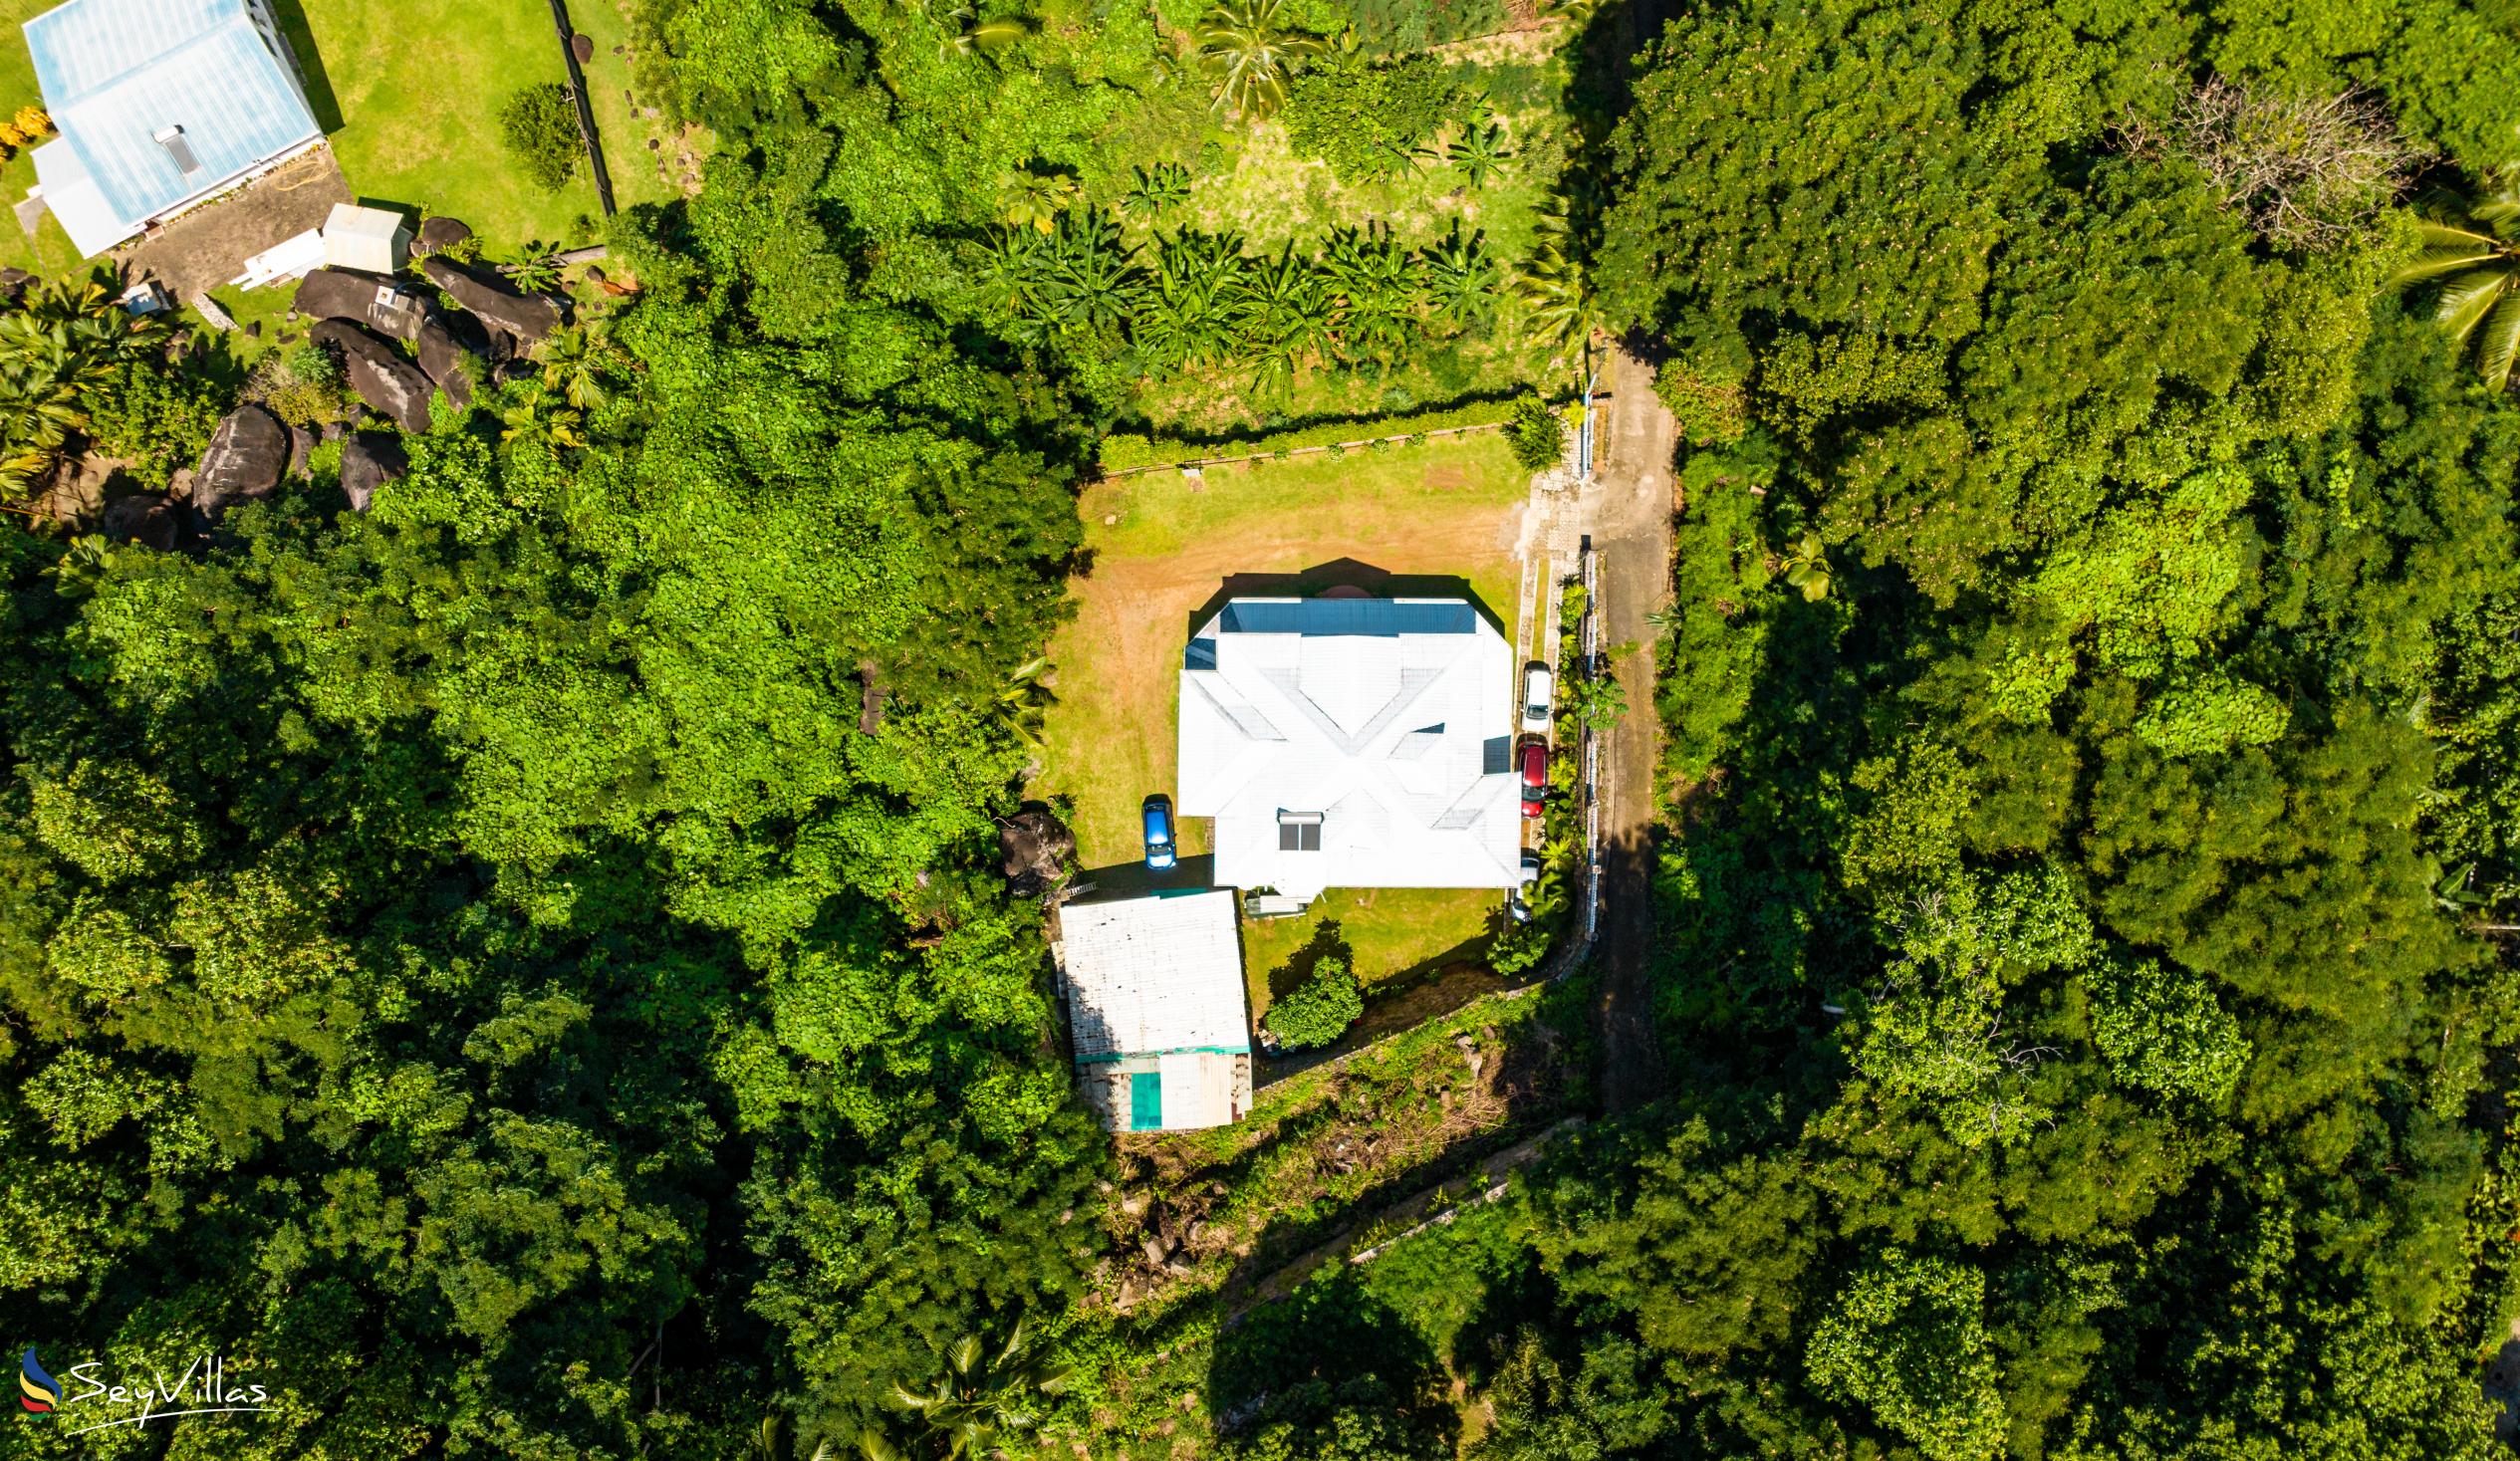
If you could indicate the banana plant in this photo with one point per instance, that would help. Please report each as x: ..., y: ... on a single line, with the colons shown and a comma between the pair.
x: 1807, y: 567
x: 1479, y: 152
x: 1462, y: 278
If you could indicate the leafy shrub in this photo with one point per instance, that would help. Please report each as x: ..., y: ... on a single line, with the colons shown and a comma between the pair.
x: 1321, y: 1009
x: 156, y: 417
x: 303, y: 386
x: 1537, y: 433
x: 1366, y: 120
x: 540, y: 127
x: 1412, y: 25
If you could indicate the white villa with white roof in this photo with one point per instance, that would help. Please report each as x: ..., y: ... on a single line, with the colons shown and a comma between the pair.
x: 1351, y: 742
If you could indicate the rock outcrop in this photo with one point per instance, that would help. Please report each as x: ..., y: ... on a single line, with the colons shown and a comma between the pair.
x: 526, y: 320
x: 371, y: 461
x: 150, y: 521
x: 381, y: 376
x: 245, y: 461
x: 1037, y: 848
x: 441, y: 233
x: 380, y: 304
x: 442, y: 358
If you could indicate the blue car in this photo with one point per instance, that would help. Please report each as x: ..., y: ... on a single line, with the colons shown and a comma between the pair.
x: 1158, y: 811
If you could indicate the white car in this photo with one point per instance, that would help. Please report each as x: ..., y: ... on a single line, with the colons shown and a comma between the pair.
x: 1537, y: 684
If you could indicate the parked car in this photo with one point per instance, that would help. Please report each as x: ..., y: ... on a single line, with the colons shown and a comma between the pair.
x: 1535, y: 769
x: 1518, y: 902
x: 1537, y: 685
x: 1159, y: 819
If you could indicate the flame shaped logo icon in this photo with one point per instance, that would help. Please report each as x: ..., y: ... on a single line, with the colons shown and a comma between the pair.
x: 37, y: 1392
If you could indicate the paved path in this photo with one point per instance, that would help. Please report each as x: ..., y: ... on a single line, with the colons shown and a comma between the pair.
x: 1629, y: 510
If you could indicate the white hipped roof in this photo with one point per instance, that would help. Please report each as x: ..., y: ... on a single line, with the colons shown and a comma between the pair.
x: 1154, y: 975
x: 1391, y: 720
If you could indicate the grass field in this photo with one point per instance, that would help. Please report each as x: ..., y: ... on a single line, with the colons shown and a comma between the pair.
x: 1438, y: 518
x: 416, y: 125
x: 409, y: 95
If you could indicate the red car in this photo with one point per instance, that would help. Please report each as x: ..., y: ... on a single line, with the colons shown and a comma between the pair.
x: 1535, y: 758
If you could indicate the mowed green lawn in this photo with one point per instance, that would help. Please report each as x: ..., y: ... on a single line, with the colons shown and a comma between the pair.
x: 409, y: 96
x: 417, y: 85
x: 1440, y: 518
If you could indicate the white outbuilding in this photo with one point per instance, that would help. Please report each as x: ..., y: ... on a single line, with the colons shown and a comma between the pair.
x: 1156, y: 1012
x: 371, y: 240
x: 1351, y: 742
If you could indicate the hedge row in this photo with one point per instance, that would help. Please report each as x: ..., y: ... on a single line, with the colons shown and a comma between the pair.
x: 1127, y: 452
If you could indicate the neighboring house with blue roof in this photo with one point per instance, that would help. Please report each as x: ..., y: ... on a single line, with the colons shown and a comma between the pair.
x: 160, y: 103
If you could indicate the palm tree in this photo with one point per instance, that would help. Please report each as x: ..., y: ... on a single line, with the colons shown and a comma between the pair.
x: 64, y: 339
x: 1024, y: 704
x: 1478, y: 152
x: 538, y: 414
x: 2476, y: 257
x: 1251, y: 54
x: 1029, y: 200
x: 1553, y: 288
x: 577, y: 363
x: 980, y: 1407
x: 536, y: 269
x: 970, y: 35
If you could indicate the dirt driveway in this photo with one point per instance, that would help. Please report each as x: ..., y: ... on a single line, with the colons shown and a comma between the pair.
x: 1629, y: 512
x: 208, y: 247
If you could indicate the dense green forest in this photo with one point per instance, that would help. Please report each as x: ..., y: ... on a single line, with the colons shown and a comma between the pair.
x: 524, y: 970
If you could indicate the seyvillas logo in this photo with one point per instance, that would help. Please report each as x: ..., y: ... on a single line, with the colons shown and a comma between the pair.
x: 94, y: 1405
x: 37, y: 1392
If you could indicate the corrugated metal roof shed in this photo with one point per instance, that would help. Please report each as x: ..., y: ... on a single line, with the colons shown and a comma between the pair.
x: 1150, y: 975
x: 159, y: 103
x: 1155, y: 1008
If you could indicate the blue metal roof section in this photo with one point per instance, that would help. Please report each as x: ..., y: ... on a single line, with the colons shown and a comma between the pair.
x: 117, y: 74
x: 1377, y: 617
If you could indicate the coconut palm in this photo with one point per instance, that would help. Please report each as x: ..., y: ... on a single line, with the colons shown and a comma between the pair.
x: 2473, y: 251
x: 981, y: 1406
x: 1245, y: 46
x: 1558, y: 296
x: 1478, y: 152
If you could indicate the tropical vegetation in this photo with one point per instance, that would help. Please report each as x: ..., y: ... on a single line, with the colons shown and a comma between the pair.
x: 526, y: 969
